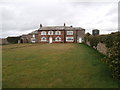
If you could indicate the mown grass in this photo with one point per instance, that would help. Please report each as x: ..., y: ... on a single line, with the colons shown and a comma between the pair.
x: 54, y: 66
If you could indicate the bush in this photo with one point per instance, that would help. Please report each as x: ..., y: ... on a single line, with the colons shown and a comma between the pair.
x: 94, y: 40
x: 112, y: 42
x: 113, y: 58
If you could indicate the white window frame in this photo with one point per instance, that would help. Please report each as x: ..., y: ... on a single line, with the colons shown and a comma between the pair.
x: 58, y: 33
x: 33, y: 35
x: 58, y: 37
x: 33, y: 40
x: 43, y: 33
x: 69, y: 32
x: 42, y: 39
x: 70, y: 40
x: 49, y: 32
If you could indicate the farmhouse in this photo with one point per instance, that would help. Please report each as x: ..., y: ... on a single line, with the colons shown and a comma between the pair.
x: 55, y: 34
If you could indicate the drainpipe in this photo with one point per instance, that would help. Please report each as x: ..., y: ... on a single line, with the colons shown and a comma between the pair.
x: 76, y: 36
x: 64, y: 36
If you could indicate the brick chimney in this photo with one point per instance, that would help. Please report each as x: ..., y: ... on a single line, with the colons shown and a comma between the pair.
x: 40, y: 25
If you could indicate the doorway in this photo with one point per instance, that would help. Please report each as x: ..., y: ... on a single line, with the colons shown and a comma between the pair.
x: 21, y: 41
x: 50, y: 39
x: 80, y: 40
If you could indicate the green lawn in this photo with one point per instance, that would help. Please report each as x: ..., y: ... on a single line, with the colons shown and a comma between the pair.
x: 54, y: 66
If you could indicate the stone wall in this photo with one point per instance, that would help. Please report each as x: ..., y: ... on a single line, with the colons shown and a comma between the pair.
x: 100, y: 47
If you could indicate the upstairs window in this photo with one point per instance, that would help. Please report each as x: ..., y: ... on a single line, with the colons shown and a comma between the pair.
x: 58, y: 39
x: 58, y: 33
x: 69, y: 39
x: 43, y: 33
x: 43, y: 39
x: 69, y: 32
x: 50, y: 33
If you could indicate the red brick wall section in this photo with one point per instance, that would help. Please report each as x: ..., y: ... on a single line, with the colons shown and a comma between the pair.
x: 39, y: 36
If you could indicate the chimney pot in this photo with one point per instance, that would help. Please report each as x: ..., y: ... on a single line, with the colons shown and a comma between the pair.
x: 64, y: 24
x: 40, y: 25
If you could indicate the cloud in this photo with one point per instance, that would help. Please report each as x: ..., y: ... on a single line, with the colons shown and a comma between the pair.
x: 23, y: 16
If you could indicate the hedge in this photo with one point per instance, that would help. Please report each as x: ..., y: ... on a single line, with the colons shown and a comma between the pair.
x: 112, y: 42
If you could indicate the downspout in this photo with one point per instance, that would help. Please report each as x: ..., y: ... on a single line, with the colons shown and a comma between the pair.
x: 76, y: 36
x: 64, y: 36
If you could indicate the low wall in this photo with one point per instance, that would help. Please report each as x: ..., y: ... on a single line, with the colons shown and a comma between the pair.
x: 100, y: 47
x: 88, y: 43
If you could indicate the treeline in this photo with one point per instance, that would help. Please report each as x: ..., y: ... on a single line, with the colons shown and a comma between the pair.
x: 112, y: 42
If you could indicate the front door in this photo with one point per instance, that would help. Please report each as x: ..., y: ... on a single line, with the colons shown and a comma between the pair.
x: 80, y: 40
x: 50, y: 39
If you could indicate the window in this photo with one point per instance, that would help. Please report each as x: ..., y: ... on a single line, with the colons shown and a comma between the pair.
x: 50, y: 33
x: 69, y: 38
x: 33, y: 35
x: 43, y: 39
x: 58, y: 39
x: 69, y: 32
x: 58, y: 33
x: 33, y: 40
x: 43, y: 33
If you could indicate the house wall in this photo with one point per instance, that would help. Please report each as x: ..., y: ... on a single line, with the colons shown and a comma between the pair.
x: 80, y: 34
x: 38, y: 36
x: 74, y: 33
x: 24, y: 39
x: 30, y: 36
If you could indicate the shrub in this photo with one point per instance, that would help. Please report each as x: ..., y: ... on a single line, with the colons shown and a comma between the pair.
x: 113, y: 57
x: 94, y: 40
x: 112, y: 42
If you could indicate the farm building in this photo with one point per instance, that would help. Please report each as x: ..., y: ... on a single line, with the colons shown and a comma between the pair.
x: 3, y: 41
x: 55, y: 34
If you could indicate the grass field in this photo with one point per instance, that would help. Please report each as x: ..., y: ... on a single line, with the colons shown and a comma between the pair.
x: 54, y: 66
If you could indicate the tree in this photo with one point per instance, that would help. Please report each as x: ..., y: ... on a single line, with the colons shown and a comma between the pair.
x: 87, y: 34
x: 94, y: 40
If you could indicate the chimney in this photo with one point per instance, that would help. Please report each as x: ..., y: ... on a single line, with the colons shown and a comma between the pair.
x: 64, y: 24
x: 40, y: 25
x: 71, y: 26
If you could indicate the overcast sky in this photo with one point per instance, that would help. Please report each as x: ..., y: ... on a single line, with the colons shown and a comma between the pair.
x: 24, y: 16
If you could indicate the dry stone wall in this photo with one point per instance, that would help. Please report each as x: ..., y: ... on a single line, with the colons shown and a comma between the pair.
x: 100, y: 47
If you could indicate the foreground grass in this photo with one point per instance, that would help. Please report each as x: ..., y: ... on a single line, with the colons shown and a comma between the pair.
x: 54, y: 66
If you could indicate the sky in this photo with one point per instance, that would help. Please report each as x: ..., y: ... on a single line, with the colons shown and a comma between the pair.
x: 19, y: 17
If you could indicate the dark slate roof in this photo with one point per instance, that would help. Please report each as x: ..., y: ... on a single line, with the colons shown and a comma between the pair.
x: 60, y: 28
